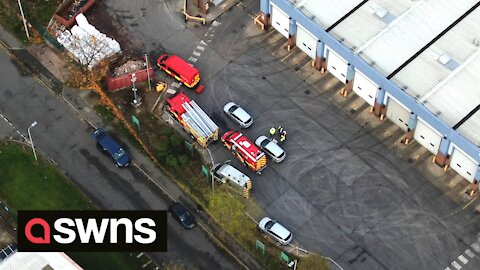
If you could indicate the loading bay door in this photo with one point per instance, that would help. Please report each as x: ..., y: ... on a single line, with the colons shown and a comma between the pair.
x: 364, y: 87
x: 306, y: 41
x: 280, y: 20
x: 337, y: 66
x: 397, y: 113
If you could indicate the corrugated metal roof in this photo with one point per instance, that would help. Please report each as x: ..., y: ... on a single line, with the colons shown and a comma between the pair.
x: 458, y: 95
x: 470, y: 129
x: 368, y: 21
x: 325, y: 12
x: 407, y: 34
x: 423, y: 75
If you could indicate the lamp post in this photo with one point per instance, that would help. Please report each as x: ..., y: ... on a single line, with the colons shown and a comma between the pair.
x: 148, y: 73
x: 31, y: 141
x: 137, y: 101
x: 23, y: 19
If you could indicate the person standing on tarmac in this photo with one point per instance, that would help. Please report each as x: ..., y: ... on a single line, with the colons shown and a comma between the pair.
x: 272, y: 132
x: 283, y: 135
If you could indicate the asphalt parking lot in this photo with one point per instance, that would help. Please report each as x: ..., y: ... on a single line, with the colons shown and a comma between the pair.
x: 340, y: 190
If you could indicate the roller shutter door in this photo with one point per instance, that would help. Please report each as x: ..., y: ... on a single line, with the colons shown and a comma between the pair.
x: 463, y: 164
x: 306, y: 41
x: 364, y: 87
x: 427, y: 136
x: 337, y: 66
x: 280, y: 21
x: 397, y: 113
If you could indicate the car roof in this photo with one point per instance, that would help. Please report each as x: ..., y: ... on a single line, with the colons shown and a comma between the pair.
x: 105, y: 140
x: 274, y: 148
x: 178, y: 208
x: 242, y: 114
x: 279, y: 230
x: 109, y: 143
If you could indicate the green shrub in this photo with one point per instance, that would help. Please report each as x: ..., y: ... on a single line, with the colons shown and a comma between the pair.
x: 177, y: 143
x: 172, y: 162
x: 105, y: 112
x: 183, y: 160
x: 163, y: 149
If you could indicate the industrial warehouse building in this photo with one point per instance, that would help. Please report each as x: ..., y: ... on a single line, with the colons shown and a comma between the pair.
x: 416, y: 62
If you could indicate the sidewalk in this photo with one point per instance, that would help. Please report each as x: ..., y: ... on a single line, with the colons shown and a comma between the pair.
x: 82, y: 103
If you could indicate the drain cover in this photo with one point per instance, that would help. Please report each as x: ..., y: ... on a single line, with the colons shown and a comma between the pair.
x: 307, y: 92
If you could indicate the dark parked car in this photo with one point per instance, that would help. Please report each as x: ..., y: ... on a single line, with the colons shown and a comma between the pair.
x: 111, y: 147
x: 180, y: 213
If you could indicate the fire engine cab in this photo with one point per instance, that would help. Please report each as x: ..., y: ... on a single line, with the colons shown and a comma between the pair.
x: 245, y: 150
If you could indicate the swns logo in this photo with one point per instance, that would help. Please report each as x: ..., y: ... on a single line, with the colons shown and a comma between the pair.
x: 129, y: 231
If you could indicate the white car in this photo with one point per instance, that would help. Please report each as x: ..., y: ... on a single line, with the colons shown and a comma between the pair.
x: 275, y: 230
x: 271, y: 148
x: 238, y: 114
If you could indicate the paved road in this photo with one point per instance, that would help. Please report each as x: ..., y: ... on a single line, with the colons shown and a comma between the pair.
x: 341, y: 191
x: 66, y: 139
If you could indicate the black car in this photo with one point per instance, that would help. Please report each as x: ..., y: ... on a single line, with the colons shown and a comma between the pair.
x: 111, y: 147
x: 180, y: 213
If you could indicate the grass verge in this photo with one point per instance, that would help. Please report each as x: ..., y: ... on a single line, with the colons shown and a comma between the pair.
x: 37, y: 13
x: 27, y: 186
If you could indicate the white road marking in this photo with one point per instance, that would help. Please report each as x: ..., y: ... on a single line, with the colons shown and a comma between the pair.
x: 192, y: 59
x: 469, y: 253
x: 196, y: 53
x: 215, y: 23
x: 448, y: 268
x: 476, y: 247
x: 203, y: 43
x: 456, y: 265
x: 13, y: 127
x: 200, y: 48
x: 463, y: 259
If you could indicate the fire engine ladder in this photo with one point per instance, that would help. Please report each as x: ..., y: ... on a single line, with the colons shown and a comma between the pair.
x: 198, y: 120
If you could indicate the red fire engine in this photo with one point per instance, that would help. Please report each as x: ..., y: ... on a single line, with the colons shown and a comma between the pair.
x: 180, y: 70
x: 245, y: 150
x: 192, y: 118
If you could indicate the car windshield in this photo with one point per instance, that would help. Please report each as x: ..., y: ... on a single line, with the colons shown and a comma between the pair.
x: 269, y: 224
x: 120, y: 153
x: 233, y: 108
x: 264, y: 142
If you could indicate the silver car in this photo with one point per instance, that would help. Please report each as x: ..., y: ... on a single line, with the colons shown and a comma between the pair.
x: 275, y: 230
x: 271, y: 148
x: 238, y: 114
